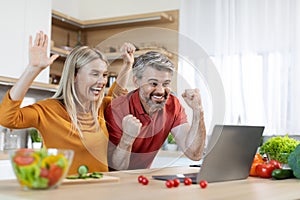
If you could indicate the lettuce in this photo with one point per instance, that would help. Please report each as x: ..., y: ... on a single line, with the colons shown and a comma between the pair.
x: 277, y: 146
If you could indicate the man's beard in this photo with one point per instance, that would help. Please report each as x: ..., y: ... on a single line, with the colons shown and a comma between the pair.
x: 155, y: 106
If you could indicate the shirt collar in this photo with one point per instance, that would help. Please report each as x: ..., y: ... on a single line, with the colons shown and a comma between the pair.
x: 137, y: 103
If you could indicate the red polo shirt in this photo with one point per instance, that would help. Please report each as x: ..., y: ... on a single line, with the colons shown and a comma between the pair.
x: 154, y: 129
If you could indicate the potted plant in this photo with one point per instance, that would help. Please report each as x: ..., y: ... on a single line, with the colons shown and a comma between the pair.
x: 36, y: 139
x: 171, y: 144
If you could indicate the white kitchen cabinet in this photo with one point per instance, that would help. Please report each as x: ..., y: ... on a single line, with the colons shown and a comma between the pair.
x: 18, y: 20
x: 6, y: 170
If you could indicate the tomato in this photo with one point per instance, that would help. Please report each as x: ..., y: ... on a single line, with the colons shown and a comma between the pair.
x: 140, y: 178
x: 203, y: 184
x: 264, y: 170
x: 187, y: 181
x: 176, y: 182
x: 169, y: 183
x: 21, y: 160
x: 55, y: 173
x: 145, y: 181
x: 44, y: 173
x: 276, y: 164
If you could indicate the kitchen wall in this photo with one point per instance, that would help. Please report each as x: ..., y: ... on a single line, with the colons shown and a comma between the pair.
x: 98, y: 9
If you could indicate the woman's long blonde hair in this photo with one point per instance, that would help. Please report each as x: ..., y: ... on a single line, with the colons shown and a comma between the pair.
x: 78, y: 57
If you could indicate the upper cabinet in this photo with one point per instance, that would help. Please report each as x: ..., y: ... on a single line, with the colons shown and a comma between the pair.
x: 19, y: 20
x: 153, y: 31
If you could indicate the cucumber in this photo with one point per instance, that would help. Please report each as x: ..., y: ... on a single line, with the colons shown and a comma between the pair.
x: 82, y: 170
x: 73, y: 177
x: 282, y: 174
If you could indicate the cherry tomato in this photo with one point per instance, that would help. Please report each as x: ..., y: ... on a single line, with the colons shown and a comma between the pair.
x: 55, y: 173
x: 23, y: 160
x: 276, y: 164
x: 176, y: 182
x: 187, y: 181
x: 203, y: 184
x: 140, y: 178
x: 145, y: 181
x: 169, y: 183
x: 264, y: 170
x: 44, y: 173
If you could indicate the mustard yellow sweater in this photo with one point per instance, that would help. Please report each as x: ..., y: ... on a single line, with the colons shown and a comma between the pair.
x: 52, y: 120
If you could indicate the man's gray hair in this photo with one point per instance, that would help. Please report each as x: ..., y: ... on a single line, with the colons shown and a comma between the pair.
x: 152, y: 59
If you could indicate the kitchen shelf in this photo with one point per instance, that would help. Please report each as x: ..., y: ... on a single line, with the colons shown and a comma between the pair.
x: 115, y: 55
x: 59, y: 51
x: 63, y: 20
x: 35, y: 85
x: 68, y: 32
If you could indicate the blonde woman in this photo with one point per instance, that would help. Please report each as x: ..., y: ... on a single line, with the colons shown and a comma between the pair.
x: 73, y: 118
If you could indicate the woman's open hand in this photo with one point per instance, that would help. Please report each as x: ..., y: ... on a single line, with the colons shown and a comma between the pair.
x: 38, y: 51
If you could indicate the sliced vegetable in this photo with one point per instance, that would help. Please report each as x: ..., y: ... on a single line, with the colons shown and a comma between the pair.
x: 83, y: 173
x: 96, y: 175
x: 38, y: 169
x: 82, y: 170
x: 55, y: 173
x: 24, y: 160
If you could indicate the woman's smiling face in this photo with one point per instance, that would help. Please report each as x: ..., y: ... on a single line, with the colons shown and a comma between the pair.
x: 90, y: 81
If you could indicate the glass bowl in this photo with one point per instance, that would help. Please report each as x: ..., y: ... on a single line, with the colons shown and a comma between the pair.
x: 41, y: 168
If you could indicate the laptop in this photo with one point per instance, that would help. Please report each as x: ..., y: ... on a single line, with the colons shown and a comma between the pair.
x: 229, y: 155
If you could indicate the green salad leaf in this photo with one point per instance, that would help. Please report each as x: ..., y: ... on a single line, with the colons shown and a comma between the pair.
x: 278, y: 146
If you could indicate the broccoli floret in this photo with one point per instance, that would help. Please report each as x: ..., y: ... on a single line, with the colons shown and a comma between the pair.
x: 294, y: 161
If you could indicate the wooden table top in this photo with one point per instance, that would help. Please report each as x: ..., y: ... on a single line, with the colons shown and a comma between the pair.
x: 128, y: 188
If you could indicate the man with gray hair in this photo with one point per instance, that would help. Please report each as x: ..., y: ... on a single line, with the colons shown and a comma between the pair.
x: 139, y: 123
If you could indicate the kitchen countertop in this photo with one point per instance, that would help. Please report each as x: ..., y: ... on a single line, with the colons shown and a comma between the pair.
x: 174, y: 154
x: 163, y: 159
x: 129, y: 188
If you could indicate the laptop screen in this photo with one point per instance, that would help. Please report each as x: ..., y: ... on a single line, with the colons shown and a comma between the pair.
x: 229, y: 154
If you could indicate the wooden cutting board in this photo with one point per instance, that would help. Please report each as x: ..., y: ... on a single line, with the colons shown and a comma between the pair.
x: 104, y: 179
